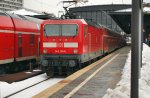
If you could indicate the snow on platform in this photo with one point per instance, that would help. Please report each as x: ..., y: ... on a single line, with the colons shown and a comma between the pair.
x: 122, y: 89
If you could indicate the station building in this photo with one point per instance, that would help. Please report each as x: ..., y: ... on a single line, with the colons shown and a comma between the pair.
x: 8, y: 5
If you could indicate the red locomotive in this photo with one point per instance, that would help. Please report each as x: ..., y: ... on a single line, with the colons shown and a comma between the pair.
x: 19, y: 41
x: 67, y: 44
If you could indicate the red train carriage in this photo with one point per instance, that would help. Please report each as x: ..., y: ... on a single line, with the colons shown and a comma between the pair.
x: 19, y: 41
x: 7, y: 34
x: 66, y: 44
x: 112, y: 41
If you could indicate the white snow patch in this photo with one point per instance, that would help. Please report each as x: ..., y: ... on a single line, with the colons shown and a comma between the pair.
x: 122, y: 89
x: 7, y: 89
x: 36, y: 70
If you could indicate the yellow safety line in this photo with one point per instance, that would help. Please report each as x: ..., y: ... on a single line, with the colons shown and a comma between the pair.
x: 90, y: 77
x: 55, y: 88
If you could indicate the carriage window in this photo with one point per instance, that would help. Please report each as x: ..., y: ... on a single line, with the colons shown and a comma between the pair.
x: 60, y: 30
x: 85, y: 30
x: 69, y: 30
x: 52, y: 30
x: 31, y: 39
x: 19, y: 39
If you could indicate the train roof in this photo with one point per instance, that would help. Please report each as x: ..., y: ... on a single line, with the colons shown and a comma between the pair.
x: 98, y: 25
x: 82, y: 21
x: 94, y: 24
x: 35, y: 20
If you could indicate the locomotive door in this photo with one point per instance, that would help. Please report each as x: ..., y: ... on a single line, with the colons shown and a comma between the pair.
x: 89, y: 43
x: 38, y: 46
x: 19, y: 45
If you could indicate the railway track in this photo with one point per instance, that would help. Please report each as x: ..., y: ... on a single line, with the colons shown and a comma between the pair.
x: 25, y: 88
x: 16, y: 77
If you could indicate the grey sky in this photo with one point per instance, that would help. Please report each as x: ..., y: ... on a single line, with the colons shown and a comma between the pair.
x: 53, y: 6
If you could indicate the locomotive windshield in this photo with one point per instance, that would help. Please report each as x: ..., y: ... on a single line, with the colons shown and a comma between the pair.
x: 61, y: 30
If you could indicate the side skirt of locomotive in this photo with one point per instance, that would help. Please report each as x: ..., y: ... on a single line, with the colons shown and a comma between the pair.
x: 18, y: 66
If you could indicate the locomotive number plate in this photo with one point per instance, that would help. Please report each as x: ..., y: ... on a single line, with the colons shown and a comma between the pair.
x: 60, y: 51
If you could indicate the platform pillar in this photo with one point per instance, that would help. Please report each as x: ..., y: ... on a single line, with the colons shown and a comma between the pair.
x: 136, y: 47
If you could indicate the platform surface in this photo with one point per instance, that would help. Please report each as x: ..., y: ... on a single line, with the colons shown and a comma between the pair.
x: 92, y: 81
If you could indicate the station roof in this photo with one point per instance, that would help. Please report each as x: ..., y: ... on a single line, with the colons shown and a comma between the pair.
x: 100, y: 8
x: 112, y: 7
x: 121, y: 14
x: 123, y: 19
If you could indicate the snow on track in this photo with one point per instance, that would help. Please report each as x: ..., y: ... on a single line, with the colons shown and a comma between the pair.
x: 7, y: 89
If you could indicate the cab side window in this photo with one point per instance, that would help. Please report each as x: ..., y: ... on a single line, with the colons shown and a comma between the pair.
x: 32, y: 37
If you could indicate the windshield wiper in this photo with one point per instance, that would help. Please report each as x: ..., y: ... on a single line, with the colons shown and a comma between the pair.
x: 45, y: 33
x: 76, y: 32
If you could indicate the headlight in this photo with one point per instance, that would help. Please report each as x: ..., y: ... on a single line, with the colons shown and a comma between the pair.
x: 44, y: 51
x: 72, y: 63
x: 75, y: 51
x: 45, y: 63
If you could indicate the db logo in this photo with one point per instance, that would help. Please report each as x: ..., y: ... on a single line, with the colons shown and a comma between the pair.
x: 60, y: 44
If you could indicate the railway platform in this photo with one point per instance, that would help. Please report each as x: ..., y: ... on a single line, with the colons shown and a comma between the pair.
x: 91, y: 81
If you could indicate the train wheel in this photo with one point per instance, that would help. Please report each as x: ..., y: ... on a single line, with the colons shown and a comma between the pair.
x: 70, y: 70
x: 80, y: 66
x: 89, y: 62
x: 2, y: 70
x: 50, y: 71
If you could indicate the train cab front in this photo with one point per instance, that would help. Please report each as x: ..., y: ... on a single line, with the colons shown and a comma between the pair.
x: 61, y: 46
